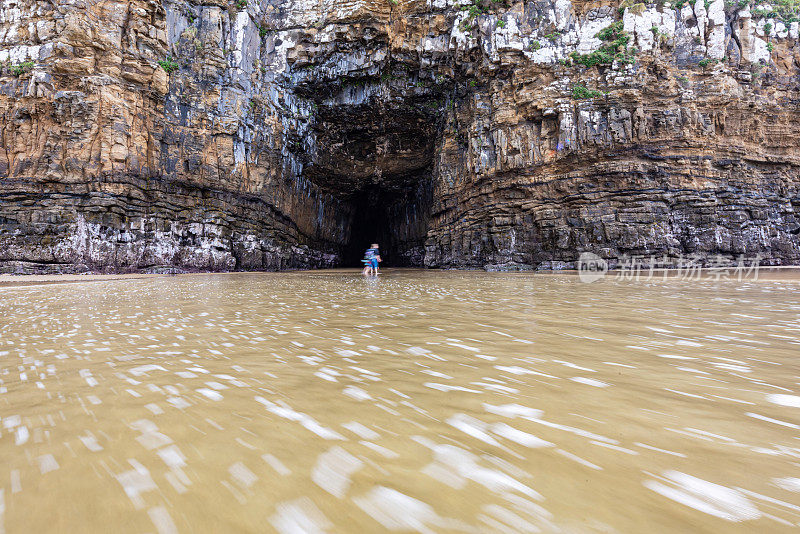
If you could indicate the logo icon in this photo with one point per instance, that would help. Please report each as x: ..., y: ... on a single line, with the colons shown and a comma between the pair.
x: 591, y: 267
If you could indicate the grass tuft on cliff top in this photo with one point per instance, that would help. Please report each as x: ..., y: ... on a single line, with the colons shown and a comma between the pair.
x: 481, y: 7
x: 787, y: 11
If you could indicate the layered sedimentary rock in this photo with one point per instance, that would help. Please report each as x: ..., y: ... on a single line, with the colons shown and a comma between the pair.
x: 280, y: 134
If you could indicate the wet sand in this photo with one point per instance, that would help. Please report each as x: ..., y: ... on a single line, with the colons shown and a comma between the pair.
x: 430, y: 401
x: 12, y: 280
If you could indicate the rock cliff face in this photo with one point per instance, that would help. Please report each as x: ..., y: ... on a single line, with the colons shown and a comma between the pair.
x: 272, y: 134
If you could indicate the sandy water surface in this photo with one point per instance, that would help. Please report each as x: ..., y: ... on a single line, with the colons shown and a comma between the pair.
x: 419, y: 401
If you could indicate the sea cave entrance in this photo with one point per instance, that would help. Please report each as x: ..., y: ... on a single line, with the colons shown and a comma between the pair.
x: 377, y: 160
x: 395, y: 219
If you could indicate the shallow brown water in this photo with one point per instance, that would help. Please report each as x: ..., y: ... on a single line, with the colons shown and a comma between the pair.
x: 421, y: 401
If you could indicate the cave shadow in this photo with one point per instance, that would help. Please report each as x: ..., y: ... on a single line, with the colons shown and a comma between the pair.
x: 370, y: 224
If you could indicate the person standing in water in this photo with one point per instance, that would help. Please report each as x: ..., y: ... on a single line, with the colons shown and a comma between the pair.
x: 371, y: 258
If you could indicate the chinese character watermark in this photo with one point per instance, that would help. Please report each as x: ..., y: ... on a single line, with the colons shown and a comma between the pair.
x: 592, y: 268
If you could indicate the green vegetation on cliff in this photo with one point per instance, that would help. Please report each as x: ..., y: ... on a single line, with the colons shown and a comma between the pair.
x: 481, y: 7
x: 168, y: 64
x: 21, y: 68
x: 581, y: 92
x: 615, y: 48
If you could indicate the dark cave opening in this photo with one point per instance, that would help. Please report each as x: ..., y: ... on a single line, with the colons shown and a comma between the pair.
x: 395, y: 219
x: 369, y: 225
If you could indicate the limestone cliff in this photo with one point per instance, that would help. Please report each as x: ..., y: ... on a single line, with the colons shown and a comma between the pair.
x: 271, y: 134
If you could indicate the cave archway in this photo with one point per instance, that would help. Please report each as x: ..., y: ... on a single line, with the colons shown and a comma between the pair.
x: 376, y: 158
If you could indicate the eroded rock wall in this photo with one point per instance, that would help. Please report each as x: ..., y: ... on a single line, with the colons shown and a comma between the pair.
x: 109, y: 162
x: 256, y: 135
